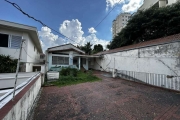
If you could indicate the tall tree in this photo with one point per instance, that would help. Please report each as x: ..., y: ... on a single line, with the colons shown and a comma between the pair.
x: 149, y: 24
x: 97, y: 48
x: 87, y: 48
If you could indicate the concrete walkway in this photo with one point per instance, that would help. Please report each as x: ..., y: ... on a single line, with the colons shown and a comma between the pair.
x: 109, y: 99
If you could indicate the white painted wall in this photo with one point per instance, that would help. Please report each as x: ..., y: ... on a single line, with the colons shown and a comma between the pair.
x: 147, y: 4
x: 172, y: 1
x: 42, y: 68
x: 71, y: 55
x: 14, y: 53
x: 161, y: 59
x: 31, y: 58
x: 162, y: 3
x: 21, y: 109
x: 49, y: 62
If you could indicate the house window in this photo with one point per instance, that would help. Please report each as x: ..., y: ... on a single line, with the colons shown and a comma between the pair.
x: 42, y: 56
x: 4, y: 40
x: 15, y: 41
x: 10, y: 41
x: 58, y: 60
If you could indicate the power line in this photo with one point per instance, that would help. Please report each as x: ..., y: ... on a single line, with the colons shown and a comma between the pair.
x: 107, y: 15
x: 28, y: 54
x: 19, y: 8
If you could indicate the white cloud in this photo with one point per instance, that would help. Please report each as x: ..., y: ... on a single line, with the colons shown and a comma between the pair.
x: 132, y: 6
x: 127, y: 5
x: 92, y: 30
x: 94, y: 40
x: 48, y: 39
x: 112, y: 3
x: 73, y: 30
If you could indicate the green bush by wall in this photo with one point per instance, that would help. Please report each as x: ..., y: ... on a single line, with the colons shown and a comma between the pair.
x: 69, y: 72
x: 7, y: 65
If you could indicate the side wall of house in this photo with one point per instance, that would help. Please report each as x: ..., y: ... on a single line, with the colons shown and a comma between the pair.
x: 147, y: 4
x: 68, y: 54
x: 29, y: 55
x: 172, y: 1
x: 14, y: 53
x: 151, y: 61
x: 33, y: 56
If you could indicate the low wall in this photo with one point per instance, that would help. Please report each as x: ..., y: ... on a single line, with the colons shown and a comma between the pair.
x: 159, y: 80
x: 149, y: 63
x: 20, y: 108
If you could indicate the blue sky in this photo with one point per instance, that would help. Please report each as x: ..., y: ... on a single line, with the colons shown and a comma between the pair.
x: 74, y: 18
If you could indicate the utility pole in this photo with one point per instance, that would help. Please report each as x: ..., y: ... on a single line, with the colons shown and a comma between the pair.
x: 17, y: 69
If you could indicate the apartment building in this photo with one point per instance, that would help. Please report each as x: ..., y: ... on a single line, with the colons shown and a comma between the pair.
x: 119, y: 23
x: 156, y: 3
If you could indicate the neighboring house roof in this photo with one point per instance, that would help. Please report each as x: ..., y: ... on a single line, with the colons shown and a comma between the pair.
x: 66, y: 47
x: 159, y: 41
x: 32, y: 31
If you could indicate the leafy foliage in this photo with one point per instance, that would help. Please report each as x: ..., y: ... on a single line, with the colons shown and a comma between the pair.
x: 86, y: 48
x: 97, y: 48
x: 7, y: 65
x: 80, y: 78
x: 149, y: 24
x: 69, y: 72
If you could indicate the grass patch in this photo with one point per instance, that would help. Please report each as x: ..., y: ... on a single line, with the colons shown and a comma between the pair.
x: 72, y: 80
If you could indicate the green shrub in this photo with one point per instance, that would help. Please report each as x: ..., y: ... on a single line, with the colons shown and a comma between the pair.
x: 69, y: 72
x: 7, y: 65
x: 67, y: 78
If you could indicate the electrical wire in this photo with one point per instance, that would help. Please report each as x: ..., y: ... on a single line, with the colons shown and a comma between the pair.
x: 43, y: 24
x: 108, y: 63
x: 29, y: 55
x: 107, y: 15
x: 19, y: 8
x: 99, y: 65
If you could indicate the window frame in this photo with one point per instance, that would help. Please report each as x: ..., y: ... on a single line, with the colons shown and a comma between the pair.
x: 56, y: 62
x: 10, y: 39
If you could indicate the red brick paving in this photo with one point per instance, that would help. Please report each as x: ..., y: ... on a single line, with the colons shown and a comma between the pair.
x: 109, y: 99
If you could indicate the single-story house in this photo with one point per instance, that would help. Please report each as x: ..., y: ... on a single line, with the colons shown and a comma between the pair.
x: 68, y: 55
x: 11, y: 36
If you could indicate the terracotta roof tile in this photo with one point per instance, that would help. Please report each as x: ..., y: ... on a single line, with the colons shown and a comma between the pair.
x: 162, y: 40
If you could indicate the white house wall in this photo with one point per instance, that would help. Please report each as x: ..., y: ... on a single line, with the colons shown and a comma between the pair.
x: 147, y: 4
x: 14, y: 53
x: 50, y: 60
x: 162, y: 59
x: 156, y: 65
x: 172, y: 1
x: 33, y: 55
x: 31, y: 58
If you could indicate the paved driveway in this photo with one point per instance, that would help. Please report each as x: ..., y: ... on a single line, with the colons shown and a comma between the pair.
x: 109, y: 99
